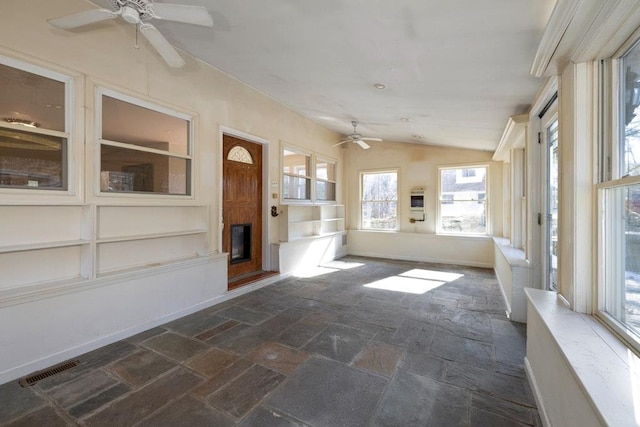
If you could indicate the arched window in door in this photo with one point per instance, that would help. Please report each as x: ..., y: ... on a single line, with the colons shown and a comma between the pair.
x: 240, y: 154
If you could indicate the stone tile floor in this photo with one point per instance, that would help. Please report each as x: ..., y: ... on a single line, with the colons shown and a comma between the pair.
x: 364, y: 342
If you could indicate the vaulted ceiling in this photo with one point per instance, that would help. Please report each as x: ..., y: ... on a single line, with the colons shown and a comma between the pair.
x: 453, y: 71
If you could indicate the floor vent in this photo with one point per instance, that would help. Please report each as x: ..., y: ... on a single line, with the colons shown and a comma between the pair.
x: 46, y: 373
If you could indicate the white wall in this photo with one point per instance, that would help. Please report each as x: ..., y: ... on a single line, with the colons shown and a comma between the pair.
x: 79, y: 269
x: 460, y: 250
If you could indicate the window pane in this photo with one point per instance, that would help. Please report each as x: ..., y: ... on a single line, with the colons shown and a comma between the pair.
x: 325, y: 190
x: 380, y: 186
x: 630, y: 95
x: 32, y: 160
x: 326, y: 170
x: 460, y: 181
x: 133, y: 124
x: 463, y: 217
x: 295, y: 163
x: 125, y: 170
x: 379, y: 215
x: 380, y: 201
x: 297, y: 188
x: 463, y: 200
x: 622, y: 255
x: 32, y: 98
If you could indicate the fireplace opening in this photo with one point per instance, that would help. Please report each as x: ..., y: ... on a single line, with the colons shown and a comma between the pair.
x: 240, y: 243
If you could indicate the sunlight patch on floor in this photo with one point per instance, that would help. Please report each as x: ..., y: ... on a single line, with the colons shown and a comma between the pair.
x: 309, y: 272
x: 342, y: 265
x: 329, y: 267
x: 443, y: 276
x: 416, y: 281
x: 407, y: 285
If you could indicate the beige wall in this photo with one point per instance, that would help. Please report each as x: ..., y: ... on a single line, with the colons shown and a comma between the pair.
x: 418, y: 167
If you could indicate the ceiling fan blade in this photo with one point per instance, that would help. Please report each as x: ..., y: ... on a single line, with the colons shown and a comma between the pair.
x: 81, y: 19
x: 362, y: 144
x: 372, y: 139
x: 339, y: 143
x: 197, y: 15
x: 164, y: 48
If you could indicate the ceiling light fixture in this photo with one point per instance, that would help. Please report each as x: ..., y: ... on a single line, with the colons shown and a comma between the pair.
x: 23, y: 122
x: 379, y: 86
x: 404, y: 119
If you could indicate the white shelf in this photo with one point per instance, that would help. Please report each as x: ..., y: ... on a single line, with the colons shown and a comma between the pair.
x: 44, y: 245
x: 303, y: 221
x: 149, y: 236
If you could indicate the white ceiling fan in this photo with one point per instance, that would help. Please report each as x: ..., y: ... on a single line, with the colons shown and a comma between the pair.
x: 356, y: 138
x: 139, y: 12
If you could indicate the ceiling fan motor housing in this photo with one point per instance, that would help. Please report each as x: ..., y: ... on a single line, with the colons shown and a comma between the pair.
x: 130, y: 14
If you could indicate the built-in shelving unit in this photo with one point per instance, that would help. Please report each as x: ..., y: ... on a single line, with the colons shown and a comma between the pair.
x: 304, y: 221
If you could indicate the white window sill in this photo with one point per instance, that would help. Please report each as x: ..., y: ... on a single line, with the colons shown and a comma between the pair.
x: 605, y: 368
x: 514, y: 256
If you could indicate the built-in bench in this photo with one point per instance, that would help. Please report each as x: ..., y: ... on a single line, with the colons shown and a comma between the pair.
x: 514, y: 275
x: 580, y: 372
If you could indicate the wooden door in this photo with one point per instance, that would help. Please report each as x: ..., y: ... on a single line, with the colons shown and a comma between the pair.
x: 242, y: 206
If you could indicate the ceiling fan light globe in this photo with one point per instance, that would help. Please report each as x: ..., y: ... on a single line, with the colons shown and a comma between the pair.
x: 130, y: 14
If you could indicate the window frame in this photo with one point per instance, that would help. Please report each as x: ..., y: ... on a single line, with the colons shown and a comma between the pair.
x: 312, y: 176
x: 153, y: 105
x: 610, y: 178
x: 441, y: 200
x: 361, y: 202
x: 323, y: 159
x: 311, y: 170
x: 70, y: 162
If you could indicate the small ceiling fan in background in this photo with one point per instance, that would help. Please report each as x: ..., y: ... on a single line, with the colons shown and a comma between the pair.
x: 139, y: 12
x: 356, y: 138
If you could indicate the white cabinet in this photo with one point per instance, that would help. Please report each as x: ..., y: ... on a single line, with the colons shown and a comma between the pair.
x: 300, y: 221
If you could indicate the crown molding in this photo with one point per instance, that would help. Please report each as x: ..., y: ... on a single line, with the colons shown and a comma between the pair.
x: 560, y: 19
x: 584, y: 30
x: 512, y: 137
x: 612, y: 24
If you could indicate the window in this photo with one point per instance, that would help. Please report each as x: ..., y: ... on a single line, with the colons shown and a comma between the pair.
x: 325, y: 180
x: 34, y: 130
x: 296, y: 175
x: 143, y: 148
x: 463, y: 206
x: 619, y: 207
x: 379, y: 200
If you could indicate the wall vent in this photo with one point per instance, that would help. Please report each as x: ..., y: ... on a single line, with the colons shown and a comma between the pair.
x: 46, y: 373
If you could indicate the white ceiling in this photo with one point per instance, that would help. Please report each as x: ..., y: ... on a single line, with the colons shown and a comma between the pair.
x: 456, y: 70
